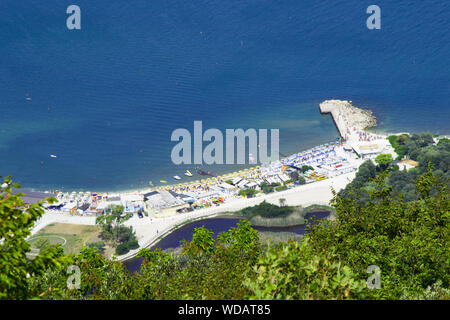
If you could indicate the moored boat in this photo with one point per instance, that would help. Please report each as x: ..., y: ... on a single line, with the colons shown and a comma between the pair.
x: 203, y: 173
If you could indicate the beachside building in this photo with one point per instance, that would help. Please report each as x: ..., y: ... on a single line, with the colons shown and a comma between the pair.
x: 242, y: 184
x: 32, y: 197
x: 371, y: 149
x: 407, y: 164
x: 70, y: 207
x: 226, y: 189
x: 236, y: 180
x: 132, y: 203
x: 163, y: 203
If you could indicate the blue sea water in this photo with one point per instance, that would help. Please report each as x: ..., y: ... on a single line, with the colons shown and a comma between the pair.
x: 106, y: 98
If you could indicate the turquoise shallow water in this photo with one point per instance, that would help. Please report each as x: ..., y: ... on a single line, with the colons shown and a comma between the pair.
x: 106, y: 99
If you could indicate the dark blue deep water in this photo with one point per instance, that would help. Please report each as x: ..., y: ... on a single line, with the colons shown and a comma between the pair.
x: 106, y: 99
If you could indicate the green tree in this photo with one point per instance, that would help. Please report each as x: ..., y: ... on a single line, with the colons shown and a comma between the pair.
x: 99, y: 245
x: 384, y: 160
x: 16, y: 220
x: 111, y: 223
x: 301, y: 180
x: 296, y: 271
x: 248, y: 192
x: 407, y: 240
x: 202, y: 243
x: 306, y: 168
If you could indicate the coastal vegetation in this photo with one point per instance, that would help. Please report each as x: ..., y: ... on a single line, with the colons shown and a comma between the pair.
x: 248, y: 193
x: 266, y: 188
x: 270, y: 238
x: 266, y: 210
x: 99, y: 245
x: 281, y: 188
x: 293, y: 219
x: 301, y: 180
x: 384, y: 160
x: 305, y: 168
x: 269, y: 215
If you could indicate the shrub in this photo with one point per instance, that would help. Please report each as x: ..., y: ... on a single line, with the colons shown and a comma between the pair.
x: 122, y: 248
x: 306, y: 168
x: 301, y: 180
x: 99, y: 245
x: 248, y: 192
x: 132, y: 244
x: 281, y: 188
x: 267, y: 189
x: 267, y: 210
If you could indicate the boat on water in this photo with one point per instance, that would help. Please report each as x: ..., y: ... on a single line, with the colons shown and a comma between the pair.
x: 188, y: 173
x: 203, y: 173
x: 53, y: 156
x: 176, y: 177
x: 163, y: 181
x: 28, y: 99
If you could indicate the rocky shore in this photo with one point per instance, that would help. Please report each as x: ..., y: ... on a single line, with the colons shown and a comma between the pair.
x: 348, y: 118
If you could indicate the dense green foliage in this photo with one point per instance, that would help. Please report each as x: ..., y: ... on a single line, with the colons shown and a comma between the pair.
x: 266, y: 188
x: 384, y: 160
x: 301, y: 180
x: 266, y: 210
x: 398, y: 143
x: 16, y: 219
x: 280, y: 188
x: 99, y: 245
x: 407, y: 240
x: 248, y: 192
x: 306, y: 168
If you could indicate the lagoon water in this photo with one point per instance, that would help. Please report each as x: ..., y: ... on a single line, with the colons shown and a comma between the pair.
x: 217, y: 225
x: 106, y: 99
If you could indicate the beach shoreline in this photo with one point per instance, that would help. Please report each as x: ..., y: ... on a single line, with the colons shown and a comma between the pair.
x: 352, y: 124
x: 343, y: 106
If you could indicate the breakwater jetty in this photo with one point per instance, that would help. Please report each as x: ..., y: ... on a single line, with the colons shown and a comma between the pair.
x: 349, y: 120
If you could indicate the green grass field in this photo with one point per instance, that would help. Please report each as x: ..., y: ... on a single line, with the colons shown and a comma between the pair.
x: 71, y: 237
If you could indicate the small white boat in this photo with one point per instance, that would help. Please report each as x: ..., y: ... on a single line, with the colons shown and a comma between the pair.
x: 53, y: 156
x: 188, y: 173
x: 176, y: 177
